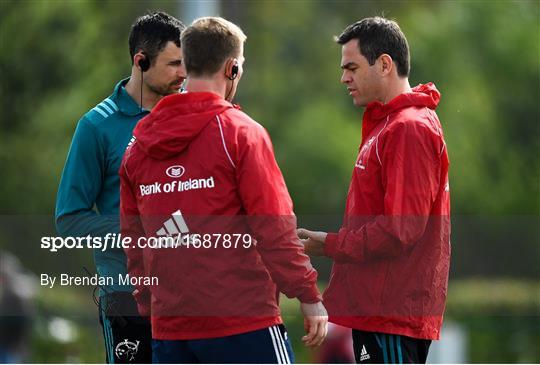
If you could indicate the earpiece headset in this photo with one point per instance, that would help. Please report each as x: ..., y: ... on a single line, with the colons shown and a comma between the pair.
x: 231, y: 75
x: 234, y: 70
x: 144, y: 63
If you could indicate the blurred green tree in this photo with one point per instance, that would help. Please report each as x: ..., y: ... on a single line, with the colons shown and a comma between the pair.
x: 60, y: 58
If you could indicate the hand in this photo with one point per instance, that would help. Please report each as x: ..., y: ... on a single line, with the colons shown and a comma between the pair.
x: 313, y: 241
x: 143, y: 302
x: 315, y: 324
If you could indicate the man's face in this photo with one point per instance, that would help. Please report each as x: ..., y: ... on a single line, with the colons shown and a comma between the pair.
x: 362, y: 80
x: 167, y: 73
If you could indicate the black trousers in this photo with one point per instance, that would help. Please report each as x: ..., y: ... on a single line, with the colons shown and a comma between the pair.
x: 382, y: 348
x: 128, y: 336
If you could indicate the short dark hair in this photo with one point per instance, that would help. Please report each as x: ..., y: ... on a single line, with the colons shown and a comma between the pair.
x: 377, y: 36
x: 150, y: 34
x: 208, y: 42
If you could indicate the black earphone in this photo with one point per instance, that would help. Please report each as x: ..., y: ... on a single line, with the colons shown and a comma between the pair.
x: 144, y: 63
x: 234, y: 72
x: 232, y: 76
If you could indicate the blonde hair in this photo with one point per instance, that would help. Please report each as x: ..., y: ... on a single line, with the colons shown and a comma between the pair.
x: 208, y: 42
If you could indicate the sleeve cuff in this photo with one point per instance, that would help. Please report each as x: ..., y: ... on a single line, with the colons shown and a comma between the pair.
x: 311, y: 295
x: 330, y: 244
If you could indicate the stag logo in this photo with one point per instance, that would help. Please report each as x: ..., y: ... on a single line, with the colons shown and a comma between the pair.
x: 126, y: 350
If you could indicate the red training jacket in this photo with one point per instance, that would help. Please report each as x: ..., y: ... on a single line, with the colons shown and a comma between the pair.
x: 392, y: 253
x: 199, y: 165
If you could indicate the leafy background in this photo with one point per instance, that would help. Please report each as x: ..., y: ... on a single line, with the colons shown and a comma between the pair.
x: 60, y: 58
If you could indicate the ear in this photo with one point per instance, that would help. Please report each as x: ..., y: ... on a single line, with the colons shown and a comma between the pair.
x: 231, y: 69
x: 140, y: 60
x: 386, y: 64
x: 137, y: 59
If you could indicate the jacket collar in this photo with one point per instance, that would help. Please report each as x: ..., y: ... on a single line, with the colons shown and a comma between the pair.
x: 125, y: 102
x: 423, y: 95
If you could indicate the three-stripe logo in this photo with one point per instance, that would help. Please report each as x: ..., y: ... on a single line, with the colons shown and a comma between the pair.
x: 174, y: 226
x: 282, y: 356
x: 364, y: 354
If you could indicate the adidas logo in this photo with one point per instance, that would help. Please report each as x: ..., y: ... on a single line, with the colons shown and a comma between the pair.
x: 174, y: 226
x: 364, y: 354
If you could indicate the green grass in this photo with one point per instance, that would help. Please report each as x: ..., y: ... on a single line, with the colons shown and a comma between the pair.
x: 501, y: 319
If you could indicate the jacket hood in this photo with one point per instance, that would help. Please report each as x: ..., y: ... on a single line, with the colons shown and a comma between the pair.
x: 423, y: 95
x: 175, y: 121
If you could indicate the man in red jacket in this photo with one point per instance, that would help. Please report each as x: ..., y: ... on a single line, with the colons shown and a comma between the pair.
x: 392, y: 253
x: 201, y: 169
